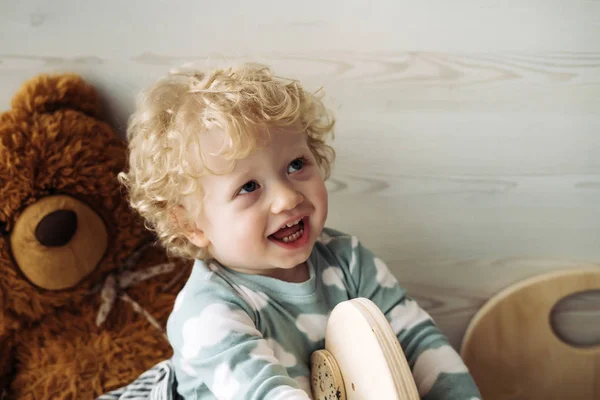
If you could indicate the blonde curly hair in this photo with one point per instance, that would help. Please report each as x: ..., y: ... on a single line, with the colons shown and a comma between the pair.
x: 170, y: 116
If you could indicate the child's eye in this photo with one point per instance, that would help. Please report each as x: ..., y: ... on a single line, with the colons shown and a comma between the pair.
x: 296, y: 165
x: 248, y: 187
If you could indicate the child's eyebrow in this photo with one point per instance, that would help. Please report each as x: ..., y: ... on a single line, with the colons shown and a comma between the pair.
x: 298, y: 148
x: 239, y: 176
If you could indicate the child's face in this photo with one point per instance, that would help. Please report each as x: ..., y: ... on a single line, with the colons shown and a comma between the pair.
x: 243, y: 211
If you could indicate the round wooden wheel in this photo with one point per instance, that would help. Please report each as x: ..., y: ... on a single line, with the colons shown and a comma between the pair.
x: 362, y: 357
x: 326, y: 377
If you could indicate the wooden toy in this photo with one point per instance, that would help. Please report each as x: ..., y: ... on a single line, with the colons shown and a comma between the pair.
x: 513, y: 352
x: 362, y: 358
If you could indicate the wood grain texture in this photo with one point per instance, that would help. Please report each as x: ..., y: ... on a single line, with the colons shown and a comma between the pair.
x: 467, y: 136
x: 513, y: 352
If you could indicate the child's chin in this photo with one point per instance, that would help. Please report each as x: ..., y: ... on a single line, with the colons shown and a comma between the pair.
x: 293, y: 263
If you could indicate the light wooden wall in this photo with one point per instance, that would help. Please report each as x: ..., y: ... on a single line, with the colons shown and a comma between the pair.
x: 468, y: 131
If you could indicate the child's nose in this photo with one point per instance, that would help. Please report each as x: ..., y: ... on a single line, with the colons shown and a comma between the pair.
x: 285, y: 197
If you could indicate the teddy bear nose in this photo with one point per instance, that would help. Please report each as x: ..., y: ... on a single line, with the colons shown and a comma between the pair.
x: 57, y: 228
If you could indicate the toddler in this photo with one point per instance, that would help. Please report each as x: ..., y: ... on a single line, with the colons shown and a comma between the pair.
x: 228, y: 168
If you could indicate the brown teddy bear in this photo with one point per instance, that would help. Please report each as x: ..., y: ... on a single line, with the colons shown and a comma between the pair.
x: 84, y: 292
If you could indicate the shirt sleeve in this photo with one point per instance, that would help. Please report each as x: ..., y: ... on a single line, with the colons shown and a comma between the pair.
x: 218, y: 348
x: 438, y: 370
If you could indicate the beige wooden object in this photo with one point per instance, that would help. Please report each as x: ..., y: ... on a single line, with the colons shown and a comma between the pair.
x: 513, y: 352
x: 326, y: 378
x: 361, y: 343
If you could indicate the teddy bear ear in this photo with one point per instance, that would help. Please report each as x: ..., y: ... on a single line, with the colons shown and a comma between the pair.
x: 47, y: 93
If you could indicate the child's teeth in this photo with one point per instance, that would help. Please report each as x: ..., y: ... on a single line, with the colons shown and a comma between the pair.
x: 291, y: 224
x: 293, y: 236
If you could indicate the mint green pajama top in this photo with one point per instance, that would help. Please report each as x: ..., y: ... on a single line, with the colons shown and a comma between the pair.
x: 239, y: 336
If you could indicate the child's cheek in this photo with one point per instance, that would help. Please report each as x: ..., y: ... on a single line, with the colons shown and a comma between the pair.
x: 323, y: 196
x: 320, y: 200
x: 248, y: 231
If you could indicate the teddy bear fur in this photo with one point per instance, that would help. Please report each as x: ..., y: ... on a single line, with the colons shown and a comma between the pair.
x: 53, y: 142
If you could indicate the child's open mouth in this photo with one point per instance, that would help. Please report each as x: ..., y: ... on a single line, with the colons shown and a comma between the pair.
x: 293, y: 235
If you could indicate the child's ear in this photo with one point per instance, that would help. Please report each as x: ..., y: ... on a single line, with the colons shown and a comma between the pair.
x: 191, y: 231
